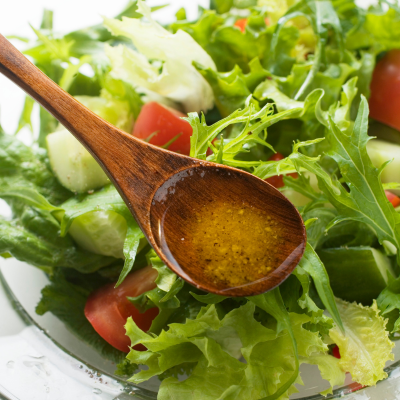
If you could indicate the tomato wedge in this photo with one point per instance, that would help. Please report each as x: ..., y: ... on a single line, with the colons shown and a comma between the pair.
x: 384, y: 102
x: 241, y: 23
x: 162, y: 124
x: 336, y: 352
x: 107, y: 308
x: 395, y: 200
x: 277, y: 180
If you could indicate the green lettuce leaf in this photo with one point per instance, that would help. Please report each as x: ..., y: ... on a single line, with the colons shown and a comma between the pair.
x: 231, y: 89
x: 34, y: 238
x: 379, y: 31
x: 365, y: 347
x: 322, y: 17
x: 27, y: 169
x: 210, y: 344
x: 330, y: 370
x: 179, y: 80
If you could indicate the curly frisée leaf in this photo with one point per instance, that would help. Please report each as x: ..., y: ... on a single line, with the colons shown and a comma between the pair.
x: 365, y: 347
x: 179, y: 80
x: 254, y: 131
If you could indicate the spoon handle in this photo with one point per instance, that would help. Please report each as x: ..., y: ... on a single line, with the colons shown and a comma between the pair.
x: 87, y: 127
x: 135, y: 167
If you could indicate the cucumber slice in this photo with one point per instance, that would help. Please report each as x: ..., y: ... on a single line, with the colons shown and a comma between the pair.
x: 114, y: 111
x: 74, y: 167
x: 380, y: 152
x: 356, y: 273
x: 101, y: 232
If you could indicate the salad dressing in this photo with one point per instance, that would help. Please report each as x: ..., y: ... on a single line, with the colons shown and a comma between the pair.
x: 235, y: 243
x: 228, y: 242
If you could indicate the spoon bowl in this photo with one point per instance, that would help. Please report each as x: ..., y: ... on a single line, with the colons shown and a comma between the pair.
x: 235, y: 226
x: 221, y: 229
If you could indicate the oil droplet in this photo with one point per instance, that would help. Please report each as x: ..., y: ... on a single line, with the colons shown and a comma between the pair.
x: 10, y: 364
x: 97, y: 391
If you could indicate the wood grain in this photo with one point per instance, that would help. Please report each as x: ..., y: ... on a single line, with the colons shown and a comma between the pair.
x: 139, y: 169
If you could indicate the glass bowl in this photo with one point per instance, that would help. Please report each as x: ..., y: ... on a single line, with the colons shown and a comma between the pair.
x: 40, y: 359
x: 46, y: 361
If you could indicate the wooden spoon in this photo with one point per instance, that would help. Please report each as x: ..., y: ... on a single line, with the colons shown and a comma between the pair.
x: 163, y: 189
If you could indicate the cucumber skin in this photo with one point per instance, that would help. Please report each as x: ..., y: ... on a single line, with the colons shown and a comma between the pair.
x: 356, y: 273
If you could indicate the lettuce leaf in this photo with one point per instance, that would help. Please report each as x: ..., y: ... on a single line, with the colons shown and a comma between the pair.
x: 34, y: 238
x: 379, y: 30
x: 25, y: 167
x: 231, y: 89
x: 365, y: 348
x: 322, y: 17
x: 179, y: 80
x: 210, y: 344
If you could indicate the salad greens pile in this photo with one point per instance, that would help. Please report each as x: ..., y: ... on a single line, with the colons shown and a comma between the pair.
x: 295, y: 81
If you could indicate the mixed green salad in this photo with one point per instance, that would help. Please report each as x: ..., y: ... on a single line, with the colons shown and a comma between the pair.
x: 278, y: 88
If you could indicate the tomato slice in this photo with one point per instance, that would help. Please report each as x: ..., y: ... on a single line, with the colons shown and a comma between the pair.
x: 107, y: 308
x: 242, y: 23
x: 336, y: 352
x: 164, y: 124
x: 384, y: 102
x: 277, y: 180
x: 395, y: 200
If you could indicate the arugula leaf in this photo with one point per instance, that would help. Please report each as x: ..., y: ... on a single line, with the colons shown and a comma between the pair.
x: 25, y: 118
x: 366, y: 201
x: 388, y: 302
x: 313, y: 265
x: 319, y: 321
